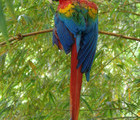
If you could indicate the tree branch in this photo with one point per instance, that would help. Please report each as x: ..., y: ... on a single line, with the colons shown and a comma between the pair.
x: 20, y: 36
x: 119, y: 35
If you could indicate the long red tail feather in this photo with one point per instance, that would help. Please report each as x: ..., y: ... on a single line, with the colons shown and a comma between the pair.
x: 75, y: 85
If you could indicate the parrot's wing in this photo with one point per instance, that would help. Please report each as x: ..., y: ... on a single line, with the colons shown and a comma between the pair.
x: 83, y: 26
x: 87, y: 50
x: 64, y: 35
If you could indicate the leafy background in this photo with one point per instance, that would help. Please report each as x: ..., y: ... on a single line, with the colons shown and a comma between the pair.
x: 34, y: 75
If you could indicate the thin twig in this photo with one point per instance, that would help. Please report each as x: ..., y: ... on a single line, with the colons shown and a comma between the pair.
x: 115, y: 118
x: 20, y: 36
x: 95, y: 110
x: 123, y: 11
x: 129, y: 12
x: 103, y: 118
x: 119, y: 35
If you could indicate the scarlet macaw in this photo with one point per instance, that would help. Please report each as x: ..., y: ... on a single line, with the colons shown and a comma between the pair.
x: 76, y: 30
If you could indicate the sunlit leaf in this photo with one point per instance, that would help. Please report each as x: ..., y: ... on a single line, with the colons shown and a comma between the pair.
x: 32, y: 66
x: 87, y: 104
x: 9, y: 4
x: 2, y: 61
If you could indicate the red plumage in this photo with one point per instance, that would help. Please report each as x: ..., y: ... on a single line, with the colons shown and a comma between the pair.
x: 75, y: 84
x: 76, y: 33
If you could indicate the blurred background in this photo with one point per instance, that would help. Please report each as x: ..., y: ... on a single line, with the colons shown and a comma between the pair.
x: 35, y: 75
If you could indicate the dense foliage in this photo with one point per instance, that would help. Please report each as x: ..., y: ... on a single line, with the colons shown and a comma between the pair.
x: 34, y: 75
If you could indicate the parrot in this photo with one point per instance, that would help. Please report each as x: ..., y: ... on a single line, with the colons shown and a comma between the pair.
x: 76, y: 31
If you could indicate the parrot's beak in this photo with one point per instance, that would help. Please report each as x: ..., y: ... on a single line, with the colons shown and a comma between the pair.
x: 55, y: 0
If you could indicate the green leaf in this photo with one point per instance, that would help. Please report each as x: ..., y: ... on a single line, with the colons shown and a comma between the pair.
x: 26, y: 18
x: 90, y: 109
x: 10, y: 6
x: 52, y: 98
x: 5, y: 109
x: 97, y: 54
x: 2, y: 61
x: 3, y: 26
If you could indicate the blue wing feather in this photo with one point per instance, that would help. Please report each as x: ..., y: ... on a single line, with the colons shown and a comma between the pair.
x: 87, y: 52
x: 83, y: 53
x: 64, y: 35
x: 86, y: 40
